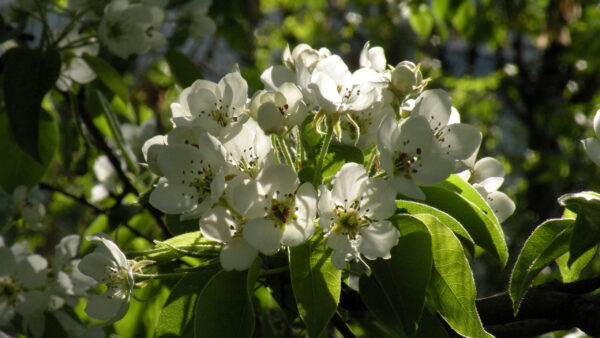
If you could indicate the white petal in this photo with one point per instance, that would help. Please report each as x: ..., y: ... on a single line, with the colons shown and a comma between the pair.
x: 434, y: 105
x: 65, y: 251
x: 237, y: 254
x: 342, y: 250
x: 501, y: 204
x: 408, y: 188
x: 379, y: 200
x: 32, y: 302
x: 265, y: 235
x: 278, y: 178
x: 243, y: 192
x: 335, y: 68
x: 433, y: 169
x: 348, y: 183
x: 270, y: 119
x: 31, y: 272
x: 109, y: 305
x: 326, y: 207
x: 325, y: 91
x: 201, y: 102
x: 488, y: 167
x: 298, y: 231
x: 378, y: 239
x: 234, y: 90
x: 8, y: 260
x: 597, y: 124
x: 492, y: 183
x: 173, y: 200
x: 459, y: 141
x: 275, y: 76
x: 218, y: 224
x: 592, y: 148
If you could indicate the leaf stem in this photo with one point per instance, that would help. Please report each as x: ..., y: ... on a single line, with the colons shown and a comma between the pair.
x: 274, y: 271
x: 323, y: 153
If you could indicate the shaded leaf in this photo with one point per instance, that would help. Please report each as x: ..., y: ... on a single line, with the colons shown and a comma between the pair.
x: 337, y: 156
x: 378, y: 302
x: 316, y: 283
x: 224, y: 307
x: 28, y: 75
x: 586, y: 230
x: 182, y: 68
x: 108, y: 75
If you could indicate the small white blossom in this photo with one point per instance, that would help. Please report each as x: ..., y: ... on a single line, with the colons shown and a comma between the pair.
x: 353, y: 214
x: 373, y: 58
x: 107, y: 264
x: 277, y: 110
x: 592, y: 144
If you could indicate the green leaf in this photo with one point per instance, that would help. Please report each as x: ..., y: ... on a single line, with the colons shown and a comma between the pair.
x: 115, y: 130
x: 337, y: 156
x: 451, y: 289
x: 143, y: 310
x: 108, y: 75
x: 378, y: 302
x: 548, y: 241
x: 184, y: 69
x: 404, y: 277
x: 28, y: 75
x: 178, y: 310
x: 460, y: 200
x: 18, y: 167
x: 224, y: 307
x: 316, y: 283
x: 176, y: 226
x: 586, y: 231
x: 430, y: 326
x: 309, y: 134
x: 420, y: 208
x: 421, y: 20
x: 463, y: 18
x: 440, y: 8
x: 571, y: 273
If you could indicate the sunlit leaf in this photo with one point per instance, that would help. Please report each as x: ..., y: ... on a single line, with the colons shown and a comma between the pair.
x: 108, y: 75
x: 548, y: 241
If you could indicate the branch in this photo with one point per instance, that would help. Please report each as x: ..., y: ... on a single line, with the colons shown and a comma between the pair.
x: 545, y: 308
x: 101, y: 143
x: 78, y: 199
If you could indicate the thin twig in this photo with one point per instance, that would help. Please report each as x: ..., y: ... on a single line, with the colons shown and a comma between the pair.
x: 341, y: 326
x: 78, y: 199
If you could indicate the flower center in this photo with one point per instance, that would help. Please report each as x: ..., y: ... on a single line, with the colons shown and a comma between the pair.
x: 221, y: 114
x: 115, y: 30
x: 405, y: 164
x: 348, y: 222
x: 281, y: 209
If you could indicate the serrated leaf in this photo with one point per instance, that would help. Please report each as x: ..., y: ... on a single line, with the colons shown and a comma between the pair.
x: 571, y: 273
x: 405, y: 275
x: 18, y: 167
x: 108, y: 75
x: 548, y: 241
x: 484, y: 231
x: 184, y: 70
x: 28, y: 75
x: 451, y: 289
x: 337, y: 156
x: 224, y: 307
x: 421, y: 20
x: 178, y: 310
x: 316, y: 283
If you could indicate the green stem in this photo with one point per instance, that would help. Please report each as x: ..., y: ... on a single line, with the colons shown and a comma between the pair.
x: 371, y: 160
x: 140, y: 277
x: 300, y: 155
x: 276, y: 146
x: 323, y: 153
x: 286, y: 152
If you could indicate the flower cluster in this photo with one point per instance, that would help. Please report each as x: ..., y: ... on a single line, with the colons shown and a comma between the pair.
x: 233, y: 163
x: 29, y: 287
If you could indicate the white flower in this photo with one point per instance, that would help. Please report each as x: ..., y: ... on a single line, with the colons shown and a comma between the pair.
x: 200, y: 24
x: 129, y: 29
x: 107, y: 178
x: 405, y: 79
x: 592, y: 144
x: 247, y: 147
x: 277, y: 110
x: 373, y: 58
x: 194, y: 177
x: 107, y: 264
x: 74, y: 67
x: 210, y: 105
x: 456, y: 141
x: 409, y: 157
x: 303, y: 55
x: 219, y: 224
x: 29, y: 205
x: 276, y: 210
x: 353, y: 214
